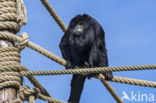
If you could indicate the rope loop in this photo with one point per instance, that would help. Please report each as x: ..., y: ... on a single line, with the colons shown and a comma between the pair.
x: 24, y: 41
x: 25, y: 93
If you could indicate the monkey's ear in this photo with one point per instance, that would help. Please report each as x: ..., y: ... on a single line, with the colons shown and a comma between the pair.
x: 87, y: 16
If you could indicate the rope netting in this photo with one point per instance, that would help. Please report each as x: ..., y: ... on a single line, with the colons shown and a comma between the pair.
x: 12, y: 17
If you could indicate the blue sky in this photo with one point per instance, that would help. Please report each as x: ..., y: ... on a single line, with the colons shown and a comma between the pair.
x: 130, y: 37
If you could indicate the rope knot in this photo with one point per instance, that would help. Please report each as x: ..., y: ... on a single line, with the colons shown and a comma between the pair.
x: 26, y: 93
x: 24, y: 42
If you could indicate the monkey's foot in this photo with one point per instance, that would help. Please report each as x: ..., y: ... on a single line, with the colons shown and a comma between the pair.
x: 108, y: 75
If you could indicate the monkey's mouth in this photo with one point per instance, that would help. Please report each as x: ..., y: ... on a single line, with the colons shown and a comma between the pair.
x: 78, y: 30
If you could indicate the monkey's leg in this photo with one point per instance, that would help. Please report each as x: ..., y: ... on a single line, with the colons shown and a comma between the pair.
x: 77, y: 84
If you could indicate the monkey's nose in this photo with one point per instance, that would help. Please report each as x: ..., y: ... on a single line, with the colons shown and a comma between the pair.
x: 78, y: 30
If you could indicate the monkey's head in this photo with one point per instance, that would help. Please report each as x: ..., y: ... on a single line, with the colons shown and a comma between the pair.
x: 82, y: 31
x: 79, y: 24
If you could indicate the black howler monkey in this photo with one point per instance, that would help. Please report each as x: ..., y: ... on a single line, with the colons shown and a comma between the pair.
x: 83, y: 42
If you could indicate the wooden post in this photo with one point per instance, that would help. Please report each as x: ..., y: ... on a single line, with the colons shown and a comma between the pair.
x: 7, y: 95
x: 12, y: 16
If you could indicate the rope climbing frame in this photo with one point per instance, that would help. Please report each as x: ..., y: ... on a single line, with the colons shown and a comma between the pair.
x: 12, y: 17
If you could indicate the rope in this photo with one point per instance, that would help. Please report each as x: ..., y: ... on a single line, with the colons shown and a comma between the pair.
x: 49, y: 99
x: 54, y: 15
x: 134, y: 82
x: 33, y: 46
x: 98, y: 70
x: 10, y: 64
x: 9, y: 14
x: 30, y: 94
x: 86, y: 71
x: 12, y: 16
x: 109, y: 88
x: 8, y: 77
x: 9, y: 21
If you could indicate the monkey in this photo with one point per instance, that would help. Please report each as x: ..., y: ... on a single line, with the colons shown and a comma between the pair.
x: 83, y: 42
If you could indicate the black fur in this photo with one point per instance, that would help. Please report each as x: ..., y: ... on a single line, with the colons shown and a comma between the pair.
x: 83, y: 42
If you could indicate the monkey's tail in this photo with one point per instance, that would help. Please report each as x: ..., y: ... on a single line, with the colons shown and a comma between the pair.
x: 77, y: 84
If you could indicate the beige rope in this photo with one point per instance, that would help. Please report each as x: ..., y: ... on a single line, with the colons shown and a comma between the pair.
x: 54, y: 15
x: 49, y: 99
x: 33, y: 46
x: 12, y: 64
x: 10, y: 12
x: 12, y: 16
x: 109, y: 88
x: 8, y: 79
x: 134, y: 82
x: 21, y: 12
x: 93, y: 70
x: 85, y: 71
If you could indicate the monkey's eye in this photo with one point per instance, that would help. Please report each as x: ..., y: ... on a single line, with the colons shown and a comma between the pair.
x: 81, y: 23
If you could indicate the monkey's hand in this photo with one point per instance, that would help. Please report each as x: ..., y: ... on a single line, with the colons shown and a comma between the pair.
x: 69, y: 65
x: 108, y: 75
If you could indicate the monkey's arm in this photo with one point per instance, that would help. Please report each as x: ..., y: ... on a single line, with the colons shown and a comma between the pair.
x: 98, y: 55
x: 103, y: 57
x: 64, y: 46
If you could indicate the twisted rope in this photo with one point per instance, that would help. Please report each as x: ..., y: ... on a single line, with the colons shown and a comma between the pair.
x: 30, y: 94
x: 134, y: 82
x: 54, y: 15
x: 49, y: 99
x: 12, y: 14
x: 109, y: 88
x: 85, y: 71
x: 26, y: 93
x: 9, y: 20
x: 8, y: 77
x: 33, y: 46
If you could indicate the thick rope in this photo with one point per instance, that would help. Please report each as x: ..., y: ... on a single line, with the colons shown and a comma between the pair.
x: 10, y: 64
x: 49, y: 99
x: 12, y: 16
x: 9, y: 14
x: 93, y: 70
x: 10, y: 20
x: 134, y: 82
x: 54, y: 15
x: 9, y: 78
x: 26, y: 93
x: 33, y: 46
x: 86, y: 71
x: 109, y: 88
x: 30, y: 94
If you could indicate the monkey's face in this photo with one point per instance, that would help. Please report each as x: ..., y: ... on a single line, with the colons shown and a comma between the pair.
x: 81, y: 31
x: 79, y: 25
